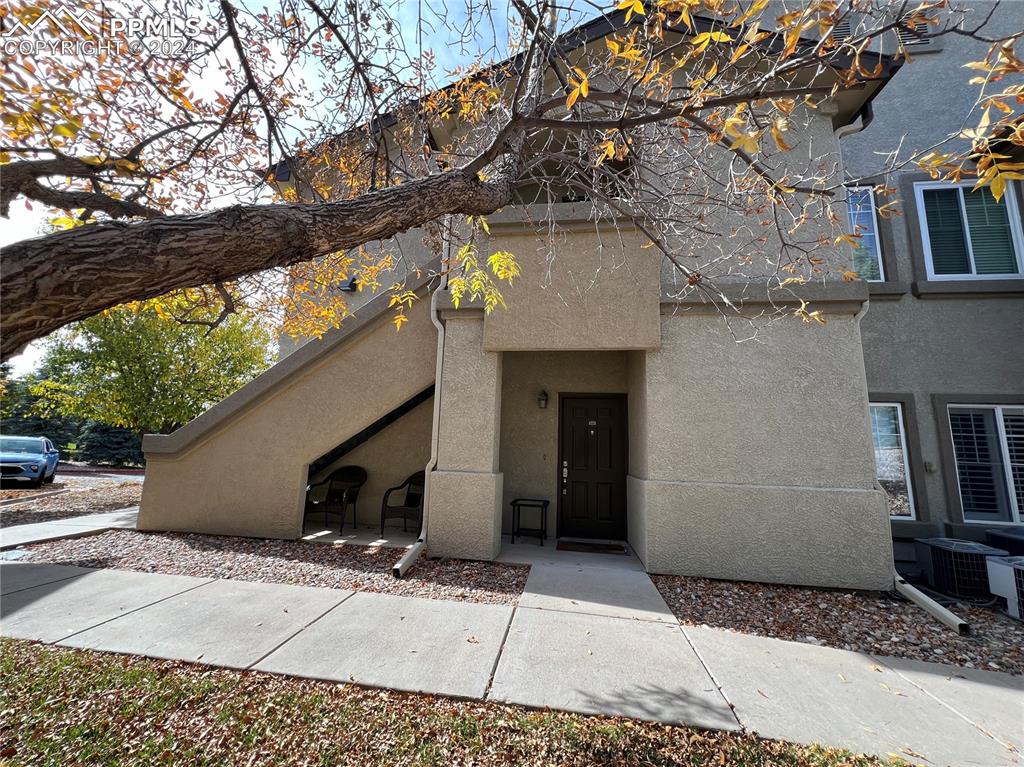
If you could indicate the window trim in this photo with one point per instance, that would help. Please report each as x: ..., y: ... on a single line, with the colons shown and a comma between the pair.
x: 1012, y: 215
x: 908, y: 476
x: 883, y: 276
x: 1016, y: 513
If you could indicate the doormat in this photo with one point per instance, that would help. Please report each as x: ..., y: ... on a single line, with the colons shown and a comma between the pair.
x: 592, y: 548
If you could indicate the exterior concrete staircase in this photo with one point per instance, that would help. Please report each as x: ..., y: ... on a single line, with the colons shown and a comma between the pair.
x: 241, y: 467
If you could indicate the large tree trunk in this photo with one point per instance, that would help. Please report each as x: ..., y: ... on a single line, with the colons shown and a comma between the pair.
x: 59, y: 278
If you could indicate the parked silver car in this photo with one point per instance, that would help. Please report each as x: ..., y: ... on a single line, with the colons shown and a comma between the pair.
x: 28, y: 459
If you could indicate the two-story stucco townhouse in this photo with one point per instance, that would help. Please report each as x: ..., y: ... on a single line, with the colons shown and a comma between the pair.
x: 632, y: 409
x: 944, y: 336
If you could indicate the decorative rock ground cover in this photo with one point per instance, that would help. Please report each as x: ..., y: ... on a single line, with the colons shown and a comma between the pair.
x: 94, y: 500
x: 863, y: 622
x: 344, y: 566
x: 65, y: 707
x: 26, y: 493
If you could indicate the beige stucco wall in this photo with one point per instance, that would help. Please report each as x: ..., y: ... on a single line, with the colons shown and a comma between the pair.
x: 744, y: 245
x: 388, y: 457
x: 529, y: 435
x: 464, y: 519
x: 758, y: 460
x: 464, y: 492
x: 599, y: 290
x: 637, y: 418
x: 248, y: 476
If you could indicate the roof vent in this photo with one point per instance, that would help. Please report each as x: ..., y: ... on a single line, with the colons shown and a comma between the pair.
x: 914, y: 41
x: 910, y: 37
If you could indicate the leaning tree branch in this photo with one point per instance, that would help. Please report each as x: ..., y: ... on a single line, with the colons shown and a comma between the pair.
x: 52, y: 280
x: 22, y: 178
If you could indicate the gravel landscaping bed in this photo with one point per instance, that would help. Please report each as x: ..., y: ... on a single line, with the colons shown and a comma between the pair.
x: 64, y: 707
x: 345, y: 566
x: 848, y: 620
x: 22, y: 491
x: 76, y: 503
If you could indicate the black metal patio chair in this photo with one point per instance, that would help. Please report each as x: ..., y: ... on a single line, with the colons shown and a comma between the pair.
x: 411, y: 506
x: 341, y: 491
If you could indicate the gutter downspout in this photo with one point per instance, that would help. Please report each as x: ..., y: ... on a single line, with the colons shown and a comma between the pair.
x: 929, y: 605
x: 855, y: 126
x: 409, y: 558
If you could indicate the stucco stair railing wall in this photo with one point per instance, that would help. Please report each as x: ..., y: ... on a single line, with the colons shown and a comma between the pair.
x: 241, y: 467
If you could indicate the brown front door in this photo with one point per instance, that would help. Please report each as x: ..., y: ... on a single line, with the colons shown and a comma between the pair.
x: 592, y: 466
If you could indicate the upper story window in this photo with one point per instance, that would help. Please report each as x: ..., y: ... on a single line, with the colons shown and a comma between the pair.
x: 968, y: 235
x: 867, y: 258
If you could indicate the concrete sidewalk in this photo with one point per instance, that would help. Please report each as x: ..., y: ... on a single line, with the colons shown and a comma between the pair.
x: 590, y: 639
x: 38, y: 532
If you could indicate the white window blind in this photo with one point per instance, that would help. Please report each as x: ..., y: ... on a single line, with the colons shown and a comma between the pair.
x: 988, y: 445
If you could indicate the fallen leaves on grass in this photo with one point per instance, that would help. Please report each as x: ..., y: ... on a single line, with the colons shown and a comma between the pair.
x: 64, y: 706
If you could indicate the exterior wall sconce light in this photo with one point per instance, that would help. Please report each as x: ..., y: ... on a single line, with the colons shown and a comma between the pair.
x: 542, y: 400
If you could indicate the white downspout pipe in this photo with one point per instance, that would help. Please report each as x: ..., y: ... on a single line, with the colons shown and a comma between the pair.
x: 409, y: 558
x: 929, y: 605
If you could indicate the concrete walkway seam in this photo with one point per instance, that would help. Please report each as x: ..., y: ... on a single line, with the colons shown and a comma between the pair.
x: 501, y: 650
x: 714, y: 679
x: 301, y: 629
x: 130, y: 612
x: 47, y: 583
x: 940, y: 701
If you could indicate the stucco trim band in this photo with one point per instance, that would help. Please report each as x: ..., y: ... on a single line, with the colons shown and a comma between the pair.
x: 838, y: 297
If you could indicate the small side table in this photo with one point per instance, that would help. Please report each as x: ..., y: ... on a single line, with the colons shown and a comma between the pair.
x: 518, y: 504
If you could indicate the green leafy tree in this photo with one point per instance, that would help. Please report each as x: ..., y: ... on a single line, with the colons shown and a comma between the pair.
x: 20, y: 413
x: 138, y: 368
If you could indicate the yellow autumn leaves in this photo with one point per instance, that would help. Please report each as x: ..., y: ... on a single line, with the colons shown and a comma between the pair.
x: 631, y: 7
x: 580, y: 87
x: 704, y: 39
x: 474, y: 283
x: 742, y: 138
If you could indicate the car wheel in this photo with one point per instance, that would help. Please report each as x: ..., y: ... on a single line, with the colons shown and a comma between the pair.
x: 49, y: 479
x: 38, y: 482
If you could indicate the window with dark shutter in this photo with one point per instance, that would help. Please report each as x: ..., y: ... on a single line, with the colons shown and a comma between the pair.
x: 991, y: 241
x: 968, y: 234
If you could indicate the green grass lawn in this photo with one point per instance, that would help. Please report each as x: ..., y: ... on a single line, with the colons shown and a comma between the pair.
x: 74, y: 707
